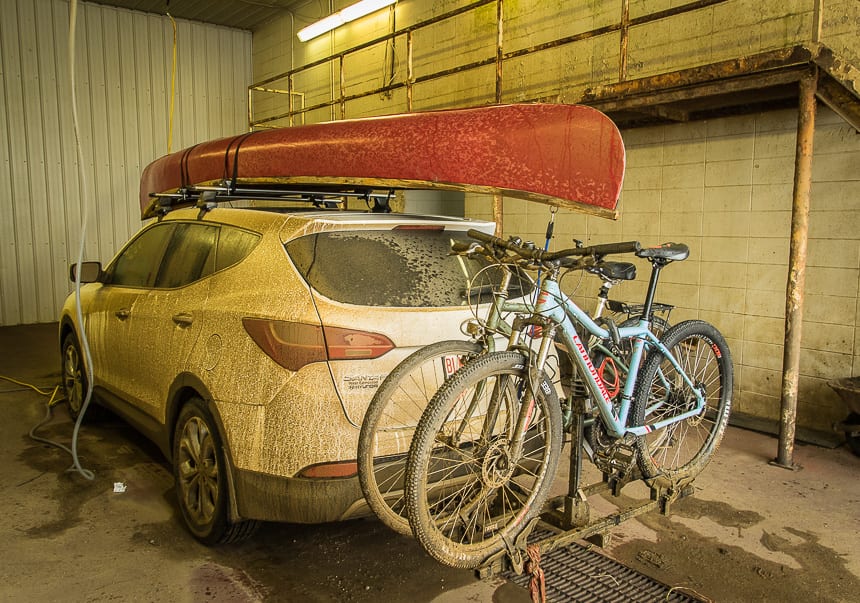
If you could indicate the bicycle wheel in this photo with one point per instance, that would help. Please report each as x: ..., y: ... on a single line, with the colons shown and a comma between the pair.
x: 386, y: 431
x: 678, y: 452
x: 469, y: 488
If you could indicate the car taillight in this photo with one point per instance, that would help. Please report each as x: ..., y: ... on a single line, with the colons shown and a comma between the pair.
x: 295, y: 344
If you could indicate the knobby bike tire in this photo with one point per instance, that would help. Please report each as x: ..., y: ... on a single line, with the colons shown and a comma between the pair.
x: 467, y: 494
x: 677, y: 453
x: 388, y: 425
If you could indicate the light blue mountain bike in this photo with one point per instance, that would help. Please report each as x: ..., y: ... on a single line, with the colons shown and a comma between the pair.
x: 485, y: 451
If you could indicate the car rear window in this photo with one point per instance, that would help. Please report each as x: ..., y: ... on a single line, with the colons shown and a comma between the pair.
x: 397, y: 268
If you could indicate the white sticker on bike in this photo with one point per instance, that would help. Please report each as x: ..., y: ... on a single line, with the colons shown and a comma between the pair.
x: 451, y: 364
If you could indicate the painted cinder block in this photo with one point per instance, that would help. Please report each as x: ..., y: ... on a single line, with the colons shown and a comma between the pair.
x: 763, y: 355
x: 753, y: 403
x: 831, y: 309
x: 765, y: 382
x: 771, y: 305
x: 827, y: 337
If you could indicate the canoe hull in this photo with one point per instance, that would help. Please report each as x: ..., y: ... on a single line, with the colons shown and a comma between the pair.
x: 565, y: 155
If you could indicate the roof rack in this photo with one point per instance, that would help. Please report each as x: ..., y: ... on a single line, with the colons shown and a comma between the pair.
x: 207, y: 197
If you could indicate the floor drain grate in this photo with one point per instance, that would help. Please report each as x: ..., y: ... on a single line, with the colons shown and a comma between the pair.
x: 577, y: 573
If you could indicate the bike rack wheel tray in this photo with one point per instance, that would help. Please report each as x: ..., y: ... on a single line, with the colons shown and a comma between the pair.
x: 566, y: 519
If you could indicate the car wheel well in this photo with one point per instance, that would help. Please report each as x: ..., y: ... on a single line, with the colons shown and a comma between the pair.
x: 65, y: 329
x: 182, y: 395
x: 239, y: 528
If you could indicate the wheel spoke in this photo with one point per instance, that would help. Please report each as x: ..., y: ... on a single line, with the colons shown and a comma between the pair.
x: 466, y: 488
x: 681, y: 449
x: 389, y: 425
x: 198, y: 471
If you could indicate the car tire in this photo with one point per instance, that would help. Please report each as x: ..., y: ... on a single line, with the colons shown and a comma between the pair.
x: 200, y: 474
x: 75, y: 382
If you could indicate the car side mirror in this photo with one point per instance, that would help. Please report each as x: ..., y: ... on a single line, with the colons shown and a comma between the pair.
x: 91, y: 272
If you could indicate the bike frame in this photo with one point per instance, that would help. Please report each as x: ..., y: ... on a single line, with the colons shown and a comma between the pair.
x: 499, y: 306
x: 562, y: 311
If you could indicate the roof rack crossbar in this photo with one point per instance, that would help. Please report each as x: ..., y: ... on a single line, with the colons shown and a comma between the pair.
x: 230, y: 192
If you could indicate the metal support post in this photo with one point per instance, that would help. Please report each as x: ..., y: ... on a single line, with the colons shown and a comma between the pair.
x: 797, y: 270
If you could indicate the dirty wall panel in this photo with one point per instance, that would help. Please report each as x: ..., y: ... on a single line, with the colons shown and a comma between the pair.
x: 9, y: 283
x: 102, y: 205
x: 67, y: 213
x: 19, y: 161
x: 129, y: 97
x: 55, y: 241
x: 122, y: 83
x: 121, y: 120
x: 34, y: 115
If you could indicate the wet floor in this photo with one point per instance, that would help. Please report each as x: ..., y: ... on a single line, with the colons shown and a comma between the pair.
x: 751, y: 531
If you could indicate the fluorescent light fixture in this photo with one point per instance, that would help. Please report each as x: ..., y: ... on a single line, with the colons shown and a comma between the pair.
x: 350, y: 13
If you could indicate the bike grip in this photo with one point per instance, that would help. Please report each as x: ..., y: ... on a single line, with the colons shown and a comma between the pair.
x: 482, y: 236
x: 611, y: 248
x: 461, y: 247
x: 492, y: 240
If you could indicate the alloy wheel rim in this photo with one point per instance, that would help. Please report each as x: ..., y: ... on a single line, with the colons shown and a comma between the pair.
x: 198, y: 471
x: 72, y: 384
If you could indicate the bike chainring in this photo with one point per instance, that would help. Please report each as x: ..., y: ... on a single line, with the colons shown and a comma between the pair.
x: 615, y: 457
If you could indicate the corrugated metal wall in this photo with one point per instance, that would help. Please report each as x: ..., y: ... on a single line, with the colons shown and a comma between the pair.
x: 123, y: 75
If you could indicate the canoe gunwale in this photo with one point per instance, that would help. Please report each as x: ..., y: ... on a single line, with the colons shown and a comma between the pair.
x: 565, y: 156
x: 220, y: 191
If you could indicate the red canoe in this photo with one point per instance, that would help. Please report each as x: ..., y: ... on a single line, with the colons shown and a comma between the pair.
x: 570, y: 156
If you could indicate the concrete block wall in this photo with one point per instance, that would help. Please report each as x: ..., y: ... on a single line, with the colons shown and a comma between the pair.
x: 840, y: 24
x: 724, y: 187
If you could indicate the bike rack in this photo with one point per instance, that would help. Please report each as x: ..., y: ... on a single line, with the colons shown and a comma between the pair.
x: 568, y: 518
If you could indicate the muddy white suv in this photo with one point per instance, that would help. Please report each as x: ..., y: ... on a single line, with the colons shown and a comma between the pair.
x: 247, y: 343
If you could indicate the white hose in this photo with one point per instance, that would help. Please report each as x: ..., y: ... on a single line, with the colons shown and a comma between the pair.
x: 76, y: 465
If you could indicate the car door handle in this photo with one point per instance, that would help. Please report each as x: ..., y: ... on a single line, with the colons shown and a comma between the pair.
x: 123, y: 313
x: 183, y: 319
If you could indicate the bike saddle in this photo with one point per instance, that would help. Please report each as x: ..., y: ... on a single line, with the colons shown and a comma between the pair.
x: 614, y: 271
x: 669, y: 252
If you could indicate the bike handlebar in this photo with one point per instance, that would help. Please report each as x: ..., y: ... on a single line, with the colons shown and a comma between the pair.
x: 464, y: 248
x: 549, y: 256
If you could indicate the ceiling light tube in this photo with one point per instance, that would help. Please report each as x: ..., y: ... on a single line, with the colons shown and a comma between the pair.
x: 350, y: 13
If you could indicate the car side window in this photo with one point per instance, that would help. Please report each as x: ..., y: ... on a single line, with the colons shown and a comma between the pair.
x: 233, y: 246
x: 137, y: 265
x: 189, y: 257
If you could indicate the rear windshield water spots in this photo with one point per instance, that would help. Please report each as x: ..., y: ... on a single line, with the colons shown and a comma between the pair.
x: 399, y: 268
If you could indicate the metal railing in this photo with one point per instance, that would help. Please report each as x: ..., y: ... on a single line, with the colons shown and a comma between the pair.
x: 275, y: 84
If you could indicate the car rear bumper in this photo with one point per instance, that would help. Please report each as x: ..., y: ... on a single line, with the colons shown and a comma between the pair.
x: 298, y: 500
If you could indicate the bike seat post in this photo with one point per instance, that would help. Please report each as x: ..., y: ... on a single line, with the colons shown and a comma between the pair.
x: 656, y: 266
x: 602, y: 298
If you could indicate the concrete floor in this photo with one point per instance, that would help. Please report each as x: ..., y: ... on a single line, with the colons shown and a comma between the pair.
x: 751, y: 532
